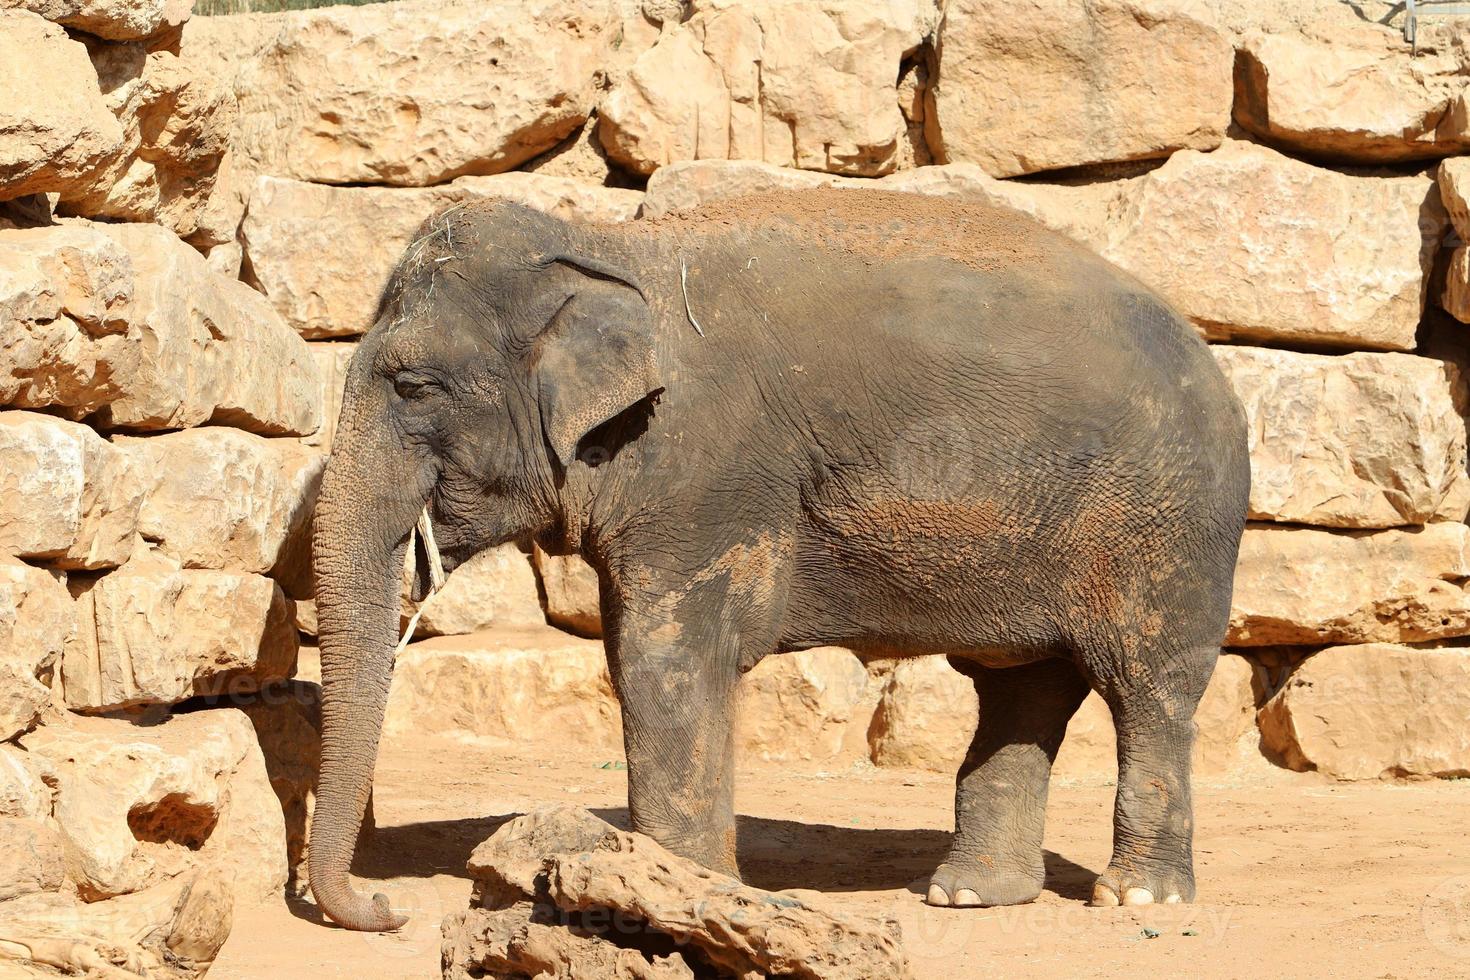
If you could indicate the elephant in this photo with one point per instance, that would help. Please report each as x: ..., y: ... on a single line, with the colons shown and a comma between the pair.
x: 897, y: 424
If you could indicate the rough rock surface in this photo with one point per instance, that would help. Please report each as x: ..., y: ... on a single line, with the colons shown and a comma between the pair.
x: 154, y: 633
x: 222, y: 498
x: 1375, y: 710
x: 23, y: 789
x: 926, y: 716
x: 175, y: 120
x: 1297, y: 585
x: 331, y: 367
x: 179, y: 306
x: 804, y: 706
x: 171, y: 930
x: 138, y: 805
x: 928, y: 713
x: 112, y: 20
x: 1352, y: 94
x: 800, y: 83
x: 55, y: 127
x: 1226, y: 740
x: 30, y: 858
x: 127, y: 325
x: 1361, y: 440
x: 495, y: 589
x: 67, y: 496
x: 1048, y: 84
x: 563, y: 860
x: 505, y: 684
x: 572, y: 593
x: 323, y: 254
x: 65, y: 294
x: 1252, y: 245
x: 288, y: 724
x: 411, y: 93
x: 37, y: 616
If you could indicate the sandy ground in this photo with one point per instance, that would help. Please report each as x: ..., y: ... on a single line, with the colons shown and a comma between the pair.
x: 1297, y: 877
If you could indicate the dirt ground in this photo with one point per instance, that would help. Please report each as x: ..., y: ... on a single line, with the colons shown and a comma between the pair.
x: 1297, y: 876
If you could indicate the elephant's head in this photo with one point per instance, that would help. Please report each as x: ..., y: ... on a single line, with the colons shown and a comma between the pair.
x: 503, y: 338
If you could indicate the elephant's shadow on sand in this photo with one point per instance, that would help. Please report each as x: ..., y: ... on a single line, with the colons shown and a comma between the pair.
x: 774, y: 854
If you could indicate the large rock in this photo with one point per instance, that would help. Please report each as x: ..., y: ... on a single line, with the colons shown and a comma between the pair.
x: 180, y: 307
x: 67, y: 496
x: 222, y: 498
x: 65, y: 296
x: 807, y: 706
x: 114, y: 20
x: 1454, y: 191
x: 1226, y: 741
x: 1250, y: 244
x: 506, y: 687
x: 23, y: 789
x: 1371, y: 711
x: 175, y: 120
x: 926, y: 716
x: 1297, y: 585
x: 799, y: 83
x: 37, y: 616
x: 332, y: 360
x: 172, y: 929
x: 561, y: 859
x: 1356, y: 93
x: 30, y: 858
x: 323, y: 254
x: 55, y: 127
x: 288, y: 724
x: 1361, y: 440
x: 126, y: 325
x: 412, y: 93
x: 1050, y: 84
x: 494, y: 589
x: 143, y: 804
x: 154, y: 633
x: 572, y: 594
x: 138, y: 805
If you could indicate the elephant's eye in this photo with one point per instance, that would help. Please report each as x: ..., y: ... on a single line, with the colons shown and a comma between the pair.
x: 411, y: 387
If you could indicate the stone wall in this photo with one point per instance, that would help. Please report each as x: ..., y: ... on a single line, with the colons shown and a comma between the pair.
x: 196, y: 215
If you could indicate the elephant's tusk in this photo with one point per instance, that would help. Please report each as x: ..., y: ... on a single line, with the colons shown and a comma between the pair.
x: 425, y: 530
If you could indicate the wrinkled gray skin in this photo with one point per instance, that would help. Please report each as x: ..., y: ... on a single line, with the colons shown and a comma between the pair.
x: 1017, y: 457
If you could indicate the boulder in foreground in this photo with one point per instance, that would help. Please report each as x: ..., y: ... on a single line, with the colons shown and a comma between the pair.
x: 560, y: 893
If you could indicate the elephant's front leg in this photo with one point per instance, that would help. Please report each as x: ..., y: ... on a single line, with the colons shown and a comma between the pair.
x: 674, y: 666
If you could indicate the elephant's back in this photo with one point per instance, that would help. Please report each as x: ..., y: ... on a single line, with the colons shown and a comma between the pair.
x: 882, y: 226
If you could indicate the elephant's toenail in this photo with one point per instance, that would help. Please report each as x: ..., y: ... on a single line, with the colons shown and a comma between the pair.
x: 967, y: 897
x: 1173, y: 900
x: 1104, y: 896
x: 1138, y: 896
x: 937, y: 896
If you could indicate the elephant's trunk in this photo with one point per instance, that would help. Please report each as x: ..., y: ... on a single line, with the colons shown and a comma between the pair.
x: 363, y: 516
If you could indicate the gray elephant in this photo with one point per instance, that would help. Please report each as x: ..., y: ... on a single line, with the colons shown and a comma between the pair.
x: 896, y: 424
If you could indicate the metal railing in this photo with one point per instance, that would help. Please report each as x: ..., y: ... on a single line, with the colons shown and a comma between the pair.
x: 1414, y: 9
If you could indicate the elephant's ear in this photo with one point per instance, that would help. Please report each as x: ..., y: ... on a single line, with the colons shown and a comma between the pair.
x: 596, y: 359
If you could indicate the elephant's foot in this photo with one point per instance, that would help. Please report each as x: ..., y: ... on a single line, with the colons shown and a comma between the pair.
x: 1131, y: 886
x: 969, y: 884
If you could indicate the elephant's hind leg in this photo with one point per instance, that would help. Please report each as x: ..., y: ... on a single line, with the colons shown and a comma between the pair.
x: 1000, y: 801
x: 1153, y: 818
